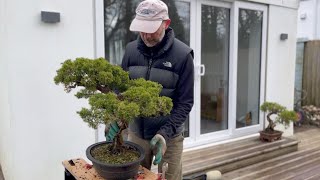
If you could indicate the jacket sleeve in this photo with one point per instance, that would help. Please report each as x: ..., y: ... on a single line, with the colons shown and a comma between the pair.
x: 125, y: 60
x: 183, y: 101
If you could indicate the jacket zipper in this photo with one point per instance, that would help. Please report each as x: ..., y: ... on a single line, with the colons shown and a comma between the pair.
x: 149, y: 69
x: 149, y: 66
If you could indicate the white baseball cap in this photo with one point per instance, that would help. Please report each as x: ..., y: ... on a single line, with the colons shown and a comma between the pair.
x: 149, y: 16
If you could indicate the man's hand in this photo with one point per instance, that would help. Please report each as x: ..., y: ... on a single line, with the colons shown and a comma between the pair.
x: 159, y: 143
x: 111, y: 131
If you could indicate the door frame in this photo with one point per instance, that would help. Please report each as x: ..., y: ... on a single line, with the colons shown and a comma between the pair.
x: 196, y: 138
x: 236, y: 132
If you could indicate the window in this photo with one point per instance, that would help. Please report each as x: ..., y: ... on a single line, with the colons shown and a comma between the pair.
x: 249, y: 62
x: 118, y: 15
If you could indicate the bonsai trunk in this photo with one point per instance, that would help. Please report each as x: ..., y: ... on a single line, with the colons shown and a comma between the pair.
x: 117, y: 144
x: 271, y: 125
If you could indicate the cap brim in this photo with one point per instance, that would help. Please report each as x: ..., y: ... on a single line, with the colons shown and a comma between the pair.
x: 145, y: 26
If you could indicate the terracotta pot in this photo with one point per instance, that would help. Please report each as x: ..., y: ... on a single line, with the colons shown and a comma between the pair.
x: 270, y: 136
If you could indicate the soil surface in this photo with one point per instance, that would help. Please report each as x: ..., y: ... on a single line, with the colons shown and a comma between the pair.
x: 103, y: 154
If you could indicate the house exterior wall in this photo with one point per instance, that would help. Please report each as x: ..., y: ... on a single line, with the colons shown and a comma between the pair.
x: 309, y: 20
x: 6, y: 153
x: 39, y: 127
x: 282, y: 3
x: 281, y: 58
x: 318, y: 19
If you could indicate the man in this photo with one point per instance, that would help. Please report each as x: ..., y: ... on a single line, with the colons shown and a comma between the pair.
x: 157, y: 56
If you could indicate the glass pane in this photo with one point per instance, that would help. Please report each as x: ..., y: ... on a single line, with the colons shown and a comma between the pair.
x: 299, y: 74
x: 118, y: 16
x: 249, y: 60
x: 215, y: 25
x: 179, y: 13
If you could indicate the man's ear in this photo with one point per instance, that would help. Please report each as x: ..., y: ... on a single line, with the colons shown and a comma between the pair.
x: 167, y: 23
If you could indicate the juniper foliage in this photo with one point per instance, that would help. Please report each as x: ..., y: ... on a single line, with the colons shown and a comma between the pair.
x: 112, y: 96
x: 283, y: 116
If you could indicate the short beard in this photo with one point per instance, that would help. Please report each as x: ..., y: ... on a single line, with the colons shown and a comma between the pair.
x: 160, y: 39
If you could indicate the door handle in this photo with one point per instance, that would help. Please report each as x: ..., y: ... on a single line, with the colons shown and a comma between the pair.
x: 202, y: 70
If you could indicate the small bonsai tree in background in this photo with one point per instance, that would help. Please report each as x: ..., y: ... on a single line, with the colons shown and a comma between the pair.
x: 112, y: 95
x: 283, y: 116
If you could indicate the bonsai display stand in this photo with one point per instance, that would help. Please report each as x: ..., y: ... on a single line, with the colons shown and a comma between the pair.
x: 79, y: 169
x: 270, y: 137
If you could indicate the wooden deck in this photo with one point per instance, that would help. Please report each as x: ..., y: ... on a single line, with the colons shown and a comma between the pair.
x: 233, y: 159
x: 234, y: 155
x: 303, y: 164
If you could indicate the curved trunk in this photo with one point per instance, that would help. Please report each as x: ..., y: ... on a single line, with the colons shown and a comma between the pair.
x: 271, y: 125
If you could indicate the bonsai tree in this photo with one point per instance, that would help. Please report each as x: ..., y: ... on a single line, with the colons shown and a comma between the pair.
x: 283, y: 116
x: 112, y: 96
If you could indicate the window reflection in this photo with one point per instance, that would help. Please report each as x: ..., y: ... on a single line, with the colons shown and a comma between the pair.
x: 249, y: 60
x: 215, y: 24
x: 118, y: 15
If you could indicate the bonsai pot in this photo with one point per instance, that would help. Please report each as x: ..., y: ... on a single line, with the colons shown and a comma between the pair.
x: 116, y: 171
x: 270, y: 136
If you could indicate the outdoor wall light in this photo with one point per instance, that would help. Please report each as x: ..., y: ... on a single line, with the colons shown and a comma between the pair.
x: 50, y: 17
x: 303, y: 16
x: 283, y: 36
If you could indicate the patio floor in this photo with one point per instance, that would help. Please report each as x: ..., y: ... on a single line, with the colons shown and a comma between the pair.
x: 296, y: 157
x: 303, y: 164
x: 300, y: 164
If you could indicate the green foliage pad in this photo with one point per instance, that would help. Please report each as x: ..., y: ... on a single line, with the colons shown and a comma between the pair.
x: 283, y: 116
x: 111, y: 94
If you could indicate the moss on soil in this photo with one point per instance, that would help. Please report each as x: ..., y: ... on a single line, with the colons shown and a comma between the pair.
x: 103, y: 154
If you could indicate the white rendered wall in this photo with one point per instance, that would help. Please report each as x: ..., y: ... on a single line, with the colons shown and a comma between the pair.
x: 6, y: 153
x: 39, y: 127
x: 318, y: 20
x: 281, y: 57
x: 308, y: 20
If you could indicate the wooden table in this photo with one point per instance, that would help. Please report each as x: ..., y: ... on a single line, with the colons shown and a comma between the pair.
x: 79, y: 169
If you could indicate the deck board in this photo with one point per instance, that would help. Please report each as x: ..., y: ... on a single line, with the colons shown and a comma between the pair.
x: 234, y: 155
x: 303, y: 164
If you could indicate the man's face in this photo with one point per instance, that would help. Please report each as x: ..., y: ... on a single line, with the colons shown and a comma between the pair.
x: 152, y: 39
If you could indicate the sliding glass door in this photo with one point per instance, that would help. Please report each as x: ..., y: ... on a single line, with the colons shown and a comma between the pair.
x: 251, y: 21
x: 230, y: 57
x: 215, y: 30
x: 229, y: 43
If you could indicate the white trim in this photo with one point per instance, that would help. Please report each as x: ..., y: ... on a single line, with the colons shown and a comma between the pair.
x: 315, y: 22
x: 215, y: 3
x: 99, y: 29
x: 99, y: 48
x: 198, y: 74
x: 193, y: 113
x: 183, y: 1
x: 233, y: 69
x: 197, y: 139
x: 245, y: 5
x: 223, y: 134
x: 216, y: 141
